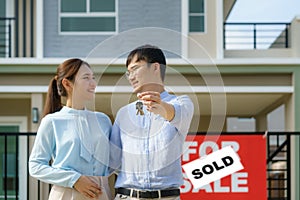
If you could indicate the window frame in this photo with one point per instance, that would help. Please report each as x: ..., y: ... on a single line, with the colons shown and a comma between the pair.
x: 198, y: 14
x: 88, y: 13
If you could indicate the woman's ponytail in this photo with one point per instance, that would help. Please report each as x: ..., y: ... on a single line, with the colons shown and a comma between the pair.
x: 53, y: 99
x: 66, y: 70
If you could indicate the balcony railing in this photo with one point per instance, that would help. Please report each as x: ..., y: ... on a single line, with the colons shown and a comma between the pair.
x: 256, y: 35
x: 16, y: 183
x: 279, y: 166
x: 6, y: 35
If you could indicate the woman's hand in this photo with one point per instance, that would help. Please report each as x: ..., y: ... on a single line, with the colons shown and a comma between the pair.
x: 87, y: 187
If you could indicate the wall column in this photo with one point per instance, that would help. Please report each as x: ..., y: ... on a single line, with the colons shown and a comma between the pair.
x: 261, y: 122
x: 292, y: 115
x: 295, y: 142
x: 36, y: 102
x: 294, y: 36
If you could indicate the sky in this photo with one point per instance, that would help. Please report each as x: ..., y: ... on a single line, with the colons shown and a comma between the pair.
x: 264, y: 11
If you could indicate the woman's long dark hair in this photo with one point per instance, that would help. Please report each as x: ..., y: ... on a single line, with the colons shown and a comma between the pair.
x: 68, y: 69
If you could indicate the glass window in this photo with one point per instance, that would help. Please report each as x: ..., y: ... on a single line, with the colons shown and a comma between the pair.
x: 102, y: 5
x: 196, y: 6
x: 8, y: 159
x: 196, y: 16
x: 87, y: 16
x: 196, y: 23
x: 87, y: 24
x: 73, y: 6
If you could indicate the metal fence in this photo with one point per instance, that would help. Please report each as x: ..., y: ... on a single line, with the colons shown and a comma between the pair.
x: 256, y: 35
x: 15, y: 150
x: 6, y: 35
x: 279, y: 165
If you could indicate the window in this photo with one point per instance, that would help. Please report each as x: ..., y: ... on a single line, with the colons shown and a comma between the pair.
x: 15, y: 146
x: 11, y: 171
x: 87, y: 16
x: 8, y: 159
x: 196, y: 16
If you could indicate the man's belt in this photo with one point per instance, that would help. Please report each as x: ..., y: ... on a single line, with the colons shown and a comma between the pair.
x: 148, y: 194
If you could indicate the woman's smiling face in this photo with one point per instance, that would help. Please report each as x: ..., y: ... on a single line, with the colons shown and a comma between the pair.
x: 84, y: 85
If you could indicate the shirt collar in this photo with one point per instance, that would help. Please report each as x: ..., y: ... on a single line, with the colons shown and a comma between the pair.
x: 164, y: 94
x: 67, y: 109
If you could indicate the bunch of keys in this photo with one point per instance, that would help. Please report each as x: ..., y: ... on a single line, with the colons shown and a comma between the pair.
x: 139, y: 108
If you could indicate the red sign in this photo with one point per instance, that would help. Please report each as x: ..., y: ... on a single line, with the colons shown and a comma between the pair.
x: 247, y: 184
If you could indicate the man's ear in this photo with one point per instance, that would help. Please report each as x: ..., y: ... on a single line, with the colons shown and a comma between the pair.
x: 156, y: 70
x: 156, y: 66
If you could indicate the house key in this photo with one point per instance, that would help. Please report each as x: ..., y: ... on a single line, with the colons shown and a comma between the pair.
x: 139, y: 108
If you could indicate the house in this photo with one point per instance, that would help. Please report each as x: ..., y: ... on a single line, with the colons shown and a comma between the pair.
x: 203, y: 62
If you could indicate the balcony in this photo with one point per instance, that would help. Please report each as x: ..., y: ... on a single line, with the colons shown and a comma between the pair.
x: 6, y: 35
x: 262, y: 40
x: 18, y: 29
x: 256, y: 35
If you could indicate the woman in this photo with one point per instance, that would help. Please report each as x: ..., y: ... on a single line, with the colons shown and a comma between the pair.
x: 72, y: 137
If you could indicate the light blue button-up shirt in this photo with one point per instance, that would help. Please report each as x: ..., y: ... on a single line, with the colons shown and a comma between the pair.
x: 78, y: 143
x: 146, y: 149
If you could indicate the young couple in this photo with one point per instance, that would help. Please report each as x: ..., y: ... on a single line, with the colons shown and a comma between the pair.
x: 143, y: 147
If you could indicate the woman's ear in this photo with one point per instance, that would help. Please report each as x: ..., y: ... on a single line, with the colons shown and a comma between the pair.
x: 68, y: 85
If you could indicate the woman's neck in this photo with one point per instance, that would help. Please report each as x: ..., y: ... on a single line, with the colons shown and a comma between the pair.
x: 77, y: 106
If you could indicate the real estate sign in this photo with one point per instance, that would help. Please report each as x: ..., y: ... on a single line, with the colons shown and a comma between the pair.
x: 247, y: 184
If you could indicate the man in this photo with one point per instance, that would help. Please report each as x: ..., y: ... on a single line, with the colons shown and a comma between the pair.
x: 148, y: 135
